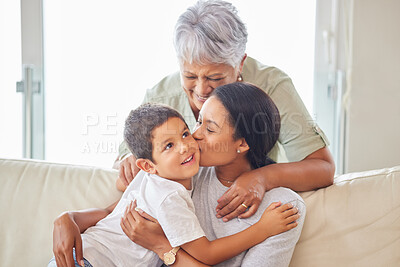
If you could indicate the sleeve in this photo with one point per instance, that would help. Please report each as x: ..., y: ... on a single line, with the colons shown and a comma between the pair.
x: 277, y: 250
x: 299, y: 135
x: 146, y: 97
x: 178, y: 220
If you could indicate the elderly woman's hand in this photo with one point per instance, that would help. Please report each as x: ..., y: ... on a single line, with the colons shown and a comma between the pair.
x: 127, y: 171
x: 144, y: 230
x: 243, y: 198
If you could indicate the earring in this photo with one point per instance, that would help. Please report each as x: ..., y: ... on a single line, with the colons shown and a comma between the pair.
x: 238, y: 151
x: 240, y: 78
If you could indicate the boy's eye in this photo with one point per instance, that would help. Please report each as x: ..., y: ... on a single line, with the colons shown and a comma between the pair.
x: 168, y: 146
x: 209, y: 130
x: 185, y: 134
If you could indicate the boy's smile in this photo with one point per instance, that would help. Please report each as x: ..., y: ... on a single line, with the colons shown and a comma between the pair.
x: 175, y: 152
x: 189, y: 160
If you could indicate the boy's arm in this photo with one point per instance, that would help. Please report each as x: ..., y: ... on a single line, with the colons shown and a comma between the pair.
x: 145, y: 231
x: 89, y: 217
x: 67, y: 233
x: 182, y: 259
x: 277, y: 251
x: 275, y: 220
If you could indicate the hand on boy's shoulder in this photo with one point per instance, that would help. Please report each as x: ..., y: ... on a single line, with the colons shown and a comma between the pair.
x: 127, y: 171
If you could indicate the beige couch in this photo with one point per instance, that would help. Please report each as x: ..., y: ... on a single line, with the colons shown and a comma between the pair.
x: 355, y: 222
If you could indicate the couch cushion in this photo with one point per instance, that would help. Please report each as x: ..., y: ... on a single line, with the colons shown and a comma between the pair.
x: 355, y: 222
x: 34, y: 193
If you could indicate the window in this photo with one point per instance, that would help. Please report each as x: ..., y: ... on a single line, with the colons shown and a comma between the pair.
x: 101, y: 56
x: 10, y: 72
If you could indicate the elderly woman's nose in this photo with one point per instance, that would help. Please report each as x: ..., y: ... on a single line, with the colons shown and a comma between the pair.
x: 203, y: 88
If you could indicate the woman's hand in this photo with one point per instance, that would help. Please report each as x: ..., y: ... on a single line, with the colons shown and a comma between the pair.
x: 144, y: 230
x: 66, y: 236
x: 248, y: 190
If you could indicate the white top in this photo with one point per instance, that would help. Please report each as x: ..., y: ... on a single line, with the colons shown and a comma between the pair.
x: 105, y: 244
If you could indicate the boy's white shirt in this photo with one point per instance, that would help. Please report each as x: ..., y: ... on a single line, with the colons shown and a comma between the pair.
x: 105, y: 244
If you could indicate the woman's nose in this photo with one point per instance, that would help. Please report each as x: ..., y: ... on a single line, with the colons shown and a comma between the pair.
x: 196, y: 134
x: 203, y: 88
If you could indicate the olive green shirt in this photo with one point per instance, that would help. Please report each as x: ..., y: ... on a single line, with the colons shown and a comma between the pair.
x: 299, y: 136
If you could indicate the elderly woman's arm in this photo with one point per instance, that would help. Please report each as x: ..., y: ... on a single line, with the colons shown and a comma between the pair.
x: 315, y: 171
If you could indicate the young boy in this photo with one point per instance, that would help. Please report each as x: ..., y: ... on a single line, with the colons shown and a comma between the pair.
x: 169, y: 156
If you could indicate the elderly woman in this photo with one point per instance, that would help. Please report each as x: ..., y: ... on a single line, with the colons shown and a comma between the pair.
x: 210, y: 42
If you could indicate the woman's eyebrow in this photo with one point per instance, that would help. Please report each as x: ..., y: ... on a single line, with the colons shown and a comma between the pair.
x: 215, y: 74
x: 188, y: 72
x: 213, y: 122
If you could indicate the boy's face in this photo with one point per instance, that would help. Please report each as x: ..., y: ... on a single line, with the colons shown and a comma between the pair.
x: 176, y: 154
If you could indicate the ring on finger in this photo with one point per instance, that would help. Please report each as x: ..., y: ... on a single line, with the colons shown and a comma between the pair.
x: 244, y: 205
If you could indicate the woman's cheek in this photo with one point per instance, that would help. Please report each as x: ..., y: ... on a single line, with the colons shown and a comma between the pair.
x: 216, y: 154
x: 188, y: 85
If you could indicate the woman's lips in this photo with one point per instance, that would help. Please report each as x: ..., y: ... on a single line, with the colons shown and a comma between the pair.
x: 201, y: 98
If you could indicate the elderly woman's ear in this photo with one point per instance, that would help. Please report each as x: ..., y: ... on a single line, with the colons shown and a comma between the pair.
x: 241, y: 65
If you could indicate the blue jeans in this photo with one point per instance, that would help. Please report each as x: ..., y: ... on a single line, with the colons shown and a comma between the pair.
x: 53, y: 263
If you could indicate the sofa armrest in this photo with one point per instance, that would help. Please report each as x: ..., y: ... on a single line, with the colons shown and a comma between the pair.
x: 354, y: 222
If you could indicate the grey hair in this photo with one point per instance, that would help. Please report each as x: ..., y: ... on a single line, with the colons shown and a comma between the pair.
x: 210, y: 32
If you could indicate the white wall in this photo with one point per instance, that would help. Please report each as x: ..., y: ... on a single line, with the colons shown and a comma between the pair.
x: 373, y: 139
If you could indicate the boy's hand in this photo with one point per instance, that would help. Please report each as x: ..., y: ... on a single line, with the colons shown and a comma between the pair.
x: 66, y: 236
x: 278, y: 218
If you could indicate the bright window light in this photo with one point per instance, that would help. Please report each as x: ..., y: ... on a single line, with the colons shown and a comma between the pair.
x: 101, y: 56
x: 10, y: 73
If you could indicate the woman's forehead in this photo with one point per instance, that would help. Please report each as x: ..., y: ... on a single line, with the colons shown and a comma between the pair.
x: 208, y: 69
x: 213, y: 109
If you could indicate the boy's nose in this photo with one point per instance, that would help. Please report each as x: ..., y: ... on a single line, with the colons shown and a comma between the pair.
x: 184, y: 147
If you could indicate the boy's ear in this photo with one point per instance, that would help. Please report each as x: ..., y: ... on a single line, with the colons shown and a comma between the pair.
x: 243, y: 146
x: 146, y: 165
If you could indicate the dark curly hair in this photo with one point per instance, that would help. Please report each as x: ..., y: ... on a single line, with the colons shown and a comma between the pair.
x: 140, y: 124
